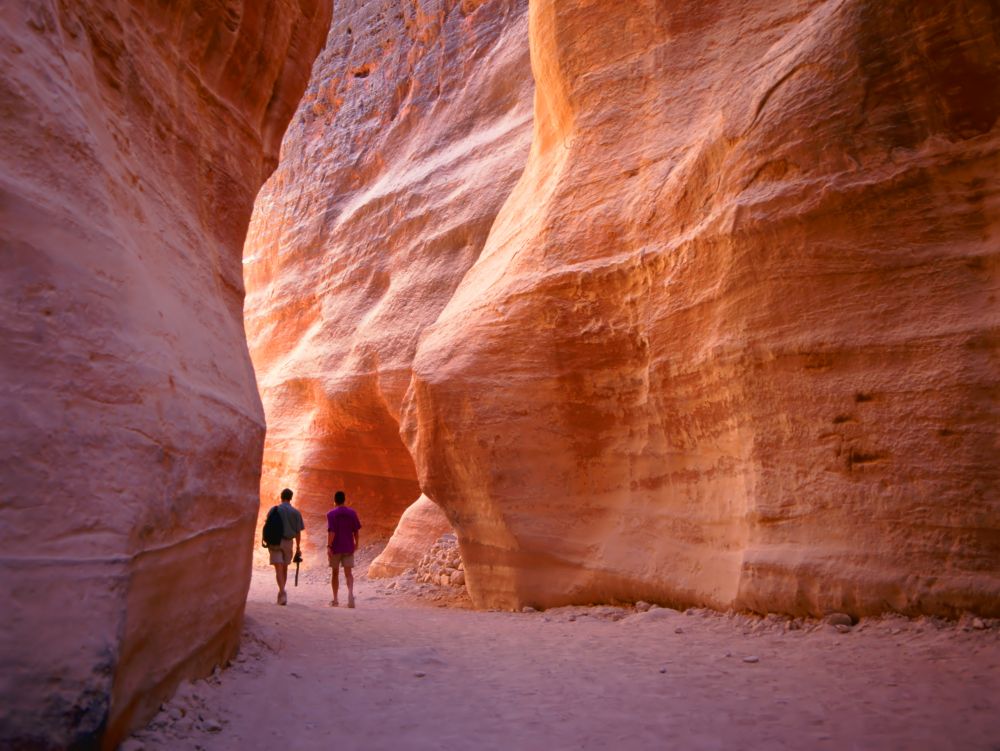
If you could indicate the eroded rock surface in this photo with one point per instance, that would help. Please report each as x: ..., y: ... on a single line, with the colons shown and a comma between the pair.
x: 420, y: 526
x: 413, y: 132
x: 135, y: 136
x: 733, y: 337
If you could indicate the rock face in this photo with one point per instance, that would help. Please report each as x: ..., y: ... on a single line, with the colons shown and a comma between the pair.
x: 733, y: 337
x: 413, y: 132
x: 135, y: 136
x: 420, y: 526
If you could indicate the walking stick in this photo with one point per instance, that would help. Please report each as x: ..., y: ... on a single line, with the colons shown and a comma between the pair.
x: 297, y: 560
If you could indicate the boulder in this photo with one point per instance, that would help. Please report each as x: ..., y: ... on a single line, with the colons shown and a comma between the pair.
x: 419, y: 528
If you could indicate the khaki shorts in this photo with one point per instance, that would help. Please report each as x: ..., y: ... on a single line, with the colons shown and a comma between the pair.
x: 281, y: 553
x: 340, y: 559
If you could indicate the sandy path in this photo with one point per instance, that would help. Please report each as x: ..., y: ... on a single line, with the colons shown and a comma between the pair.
x: 400, y: 674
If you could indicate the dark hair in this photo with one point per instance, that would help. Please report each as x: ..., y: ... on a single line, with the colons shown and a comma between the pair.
x: 339, y: 498
x: 286, y: 495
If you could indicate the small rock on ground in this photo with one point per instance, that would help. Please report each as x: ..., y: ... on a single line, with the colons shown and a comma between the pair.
x: 211, y: 726
x: 839, y: 619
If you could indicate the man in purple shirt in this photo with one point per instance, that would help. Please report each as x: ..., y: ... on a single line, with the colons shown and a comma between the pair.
x: 342, y: 525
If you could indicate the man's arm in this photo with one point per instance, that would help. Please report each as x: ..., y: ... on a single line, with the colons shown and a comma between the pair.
x: 329, y: 538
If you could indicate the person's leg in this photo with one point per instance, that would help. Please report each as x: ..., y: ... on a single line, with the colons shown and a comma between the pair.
x: 277, y: 559
x: 349, y: 578
x: 282, y: 572
x: 334, y: 576
x: 286, y: 559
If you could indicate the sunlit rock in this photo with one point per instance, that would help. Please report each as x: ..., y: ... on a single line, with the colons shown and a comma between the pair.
x: 412, y: 133
x: 733, y: 338
x: 421, y: 525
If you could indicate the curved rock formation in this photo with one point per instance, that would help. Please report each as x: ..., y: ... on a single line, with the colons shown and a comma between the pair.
x: 733, y: 338
x: 418, y: 529
x: 410, y: 137
x: 135, y: 136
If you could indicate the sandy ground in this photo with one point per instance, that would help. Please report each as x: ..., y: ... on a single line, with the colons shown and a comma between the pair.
x: 403, y: 672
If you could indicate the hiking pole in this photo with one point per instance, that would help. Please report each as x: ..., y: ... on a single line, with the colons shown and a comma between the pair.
x: 297, y: 560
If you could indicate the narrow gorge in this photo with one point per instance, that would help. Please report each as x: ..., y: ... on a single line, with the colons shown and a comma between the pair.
x: 725, y: 336
x: 689, y: 304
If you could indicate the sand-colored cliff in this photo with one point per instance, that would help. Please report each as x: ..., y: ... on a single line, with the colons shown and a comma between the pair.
x: 135, y: 136
x: 733, y: 337
x: 412, y: 134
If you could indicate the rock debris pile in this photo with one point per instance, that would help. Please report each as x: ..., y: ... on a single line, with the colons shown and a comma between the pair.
x: 442, y: 564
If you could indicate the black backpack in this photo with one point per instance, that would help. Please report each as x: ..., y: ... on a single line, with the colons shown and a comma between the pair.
x: 274, y: 528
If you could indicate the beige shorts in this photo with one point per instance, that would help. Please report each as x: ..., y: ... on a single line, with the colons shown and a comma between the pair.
x: 340, y: 559
x: 281, y: 553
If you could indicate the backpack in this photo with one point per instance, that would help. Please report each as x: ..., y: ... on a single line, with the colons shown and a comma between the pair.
x: 274, y: 528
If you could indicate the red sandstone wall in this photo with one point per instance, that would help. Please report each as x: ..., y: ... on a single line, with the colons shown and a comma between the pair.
x: 733, y: 337
x: 135, y: 136
x: 411, y: 135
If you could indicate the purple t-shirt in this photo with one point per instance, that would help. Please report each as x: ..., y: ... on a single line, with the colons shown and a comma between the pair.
x: 343, y: 522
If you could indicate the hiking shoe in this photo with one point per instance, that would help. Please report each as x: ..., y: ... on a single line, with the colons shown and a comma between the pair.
x: 350, y: 602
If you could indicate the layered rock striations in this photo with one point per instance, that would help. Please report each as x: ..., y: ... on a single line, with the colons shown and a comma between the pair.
x: 733, y: 338
x: 411, y: 135
x: 135, y: 136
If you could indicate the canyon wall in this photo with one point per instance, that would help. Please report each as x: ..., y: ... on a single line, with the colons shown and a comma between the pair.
x: 135, y: 137
x: 410, y: 137
x: 733, y: 337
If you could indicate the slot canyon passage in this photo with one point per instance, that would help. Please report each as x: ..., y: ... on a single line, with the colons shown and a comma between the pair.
x: 655, y: 343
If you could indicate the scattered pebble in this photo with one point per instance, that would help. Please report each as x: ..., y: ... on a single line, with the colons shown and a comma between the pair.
x: 528, y: 609
x: 642, y: 606
x: 419, y: 674
x: 678, y: 630
x: 211, y: 726
x: 839, y: 619
x: 663, y: 670
x: 751, y: 659
x: 183, y: 726
x: 842, y: 628
x: 978, y: 624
